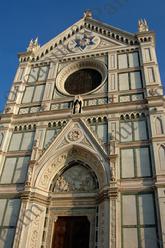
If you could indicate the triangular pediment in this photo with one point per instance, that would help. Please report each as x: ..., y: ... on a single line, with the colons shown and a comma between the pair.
x: 81, y: 44
x: 84, y: 36
x: 76, y: 142
x: 76, y: 132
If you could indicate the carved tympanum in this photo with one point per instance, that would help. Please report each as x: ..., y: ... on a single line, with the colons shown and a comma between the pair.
x: 77, y: 178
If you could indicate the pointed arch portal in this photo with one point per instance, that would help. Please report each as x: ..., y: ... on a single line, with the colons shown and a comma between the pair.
x: 53, y: 163
x: 72, y: 178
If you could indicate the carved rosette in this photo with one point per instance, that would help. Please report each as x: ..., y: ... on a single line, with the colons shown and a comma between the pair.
x: 75, y: 135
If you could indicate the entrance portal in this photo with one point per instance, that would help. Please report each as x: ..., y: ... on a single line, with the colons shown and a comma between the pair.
x: 71, y: 232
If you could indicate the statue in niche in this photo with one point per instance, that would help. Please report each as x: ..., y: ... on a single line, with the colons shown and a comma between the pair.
x: 77, y: 105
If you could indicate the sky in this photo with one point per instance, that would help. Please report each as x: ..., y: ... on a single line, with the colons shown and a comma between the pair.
x: 21, y: 20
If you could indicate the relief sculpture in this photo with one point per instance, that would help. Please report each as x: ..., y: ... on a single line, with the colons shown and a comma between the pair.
x: 77, y: 178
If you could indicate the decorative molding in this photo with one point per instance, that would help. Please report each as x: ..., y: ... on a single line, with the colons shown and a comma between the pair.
x: 73, y: 67
x: 36, y: 227
x: 105, y: 43
x: 113, y: 223
x: 50, y: 170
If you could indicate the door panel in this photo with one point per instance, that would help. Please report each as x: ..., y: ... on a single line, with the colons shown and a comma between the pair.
x: 71, y: 232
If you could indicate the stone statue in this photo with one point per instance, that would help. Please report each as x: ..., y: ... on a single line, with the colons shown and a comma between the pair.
x: 143, y: 26
x: 87, y: 14
x: 62, y: 185
x: 113, y: 177
x: 35, y: 149
x: 29, y: 175
x: 77, y: 105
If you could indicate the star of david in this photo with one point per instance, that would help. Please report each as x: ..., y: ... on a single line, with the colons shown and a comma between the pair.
x: 84, y: 41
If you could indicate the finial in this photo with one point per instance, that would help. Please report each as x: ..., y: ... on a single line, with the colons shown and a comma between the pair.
x: 143, y: 26
x: 33, y: 45
x: 87, y: 14
x: 36, y: 41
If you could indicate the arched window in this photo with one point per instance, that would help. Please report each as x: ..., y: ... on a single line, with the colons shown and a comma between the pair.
x: 159, y: 126
x: 162, y: 156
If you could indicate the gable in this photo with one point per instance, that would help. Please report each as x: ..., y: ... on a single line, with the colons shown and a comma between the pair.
x: 81, y: 43
x: 84, y: 36
x: 76, y: 132
x: 75, y: 142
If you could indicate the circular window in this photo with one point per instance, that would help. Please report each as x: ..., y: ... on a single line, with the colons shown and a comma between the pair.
x: 82, y: 81
x: 82, y: 77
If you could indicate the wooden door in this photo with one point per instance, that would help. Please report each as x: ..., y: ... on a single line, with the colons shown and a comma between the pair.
x: 71, y: 232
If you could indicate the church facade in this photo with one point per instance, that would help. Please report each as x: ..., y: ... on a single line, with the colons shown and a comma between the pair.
x: 82, y: 142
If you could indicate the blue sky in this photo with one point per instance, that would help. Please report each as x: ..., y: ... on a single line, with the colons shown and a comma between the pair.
x: 22, y: 20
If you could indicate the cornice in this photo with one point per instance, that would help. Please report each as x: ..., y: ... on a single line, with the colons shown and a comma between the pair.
x: 110, y: 27
x: 105, y: 109
x: 136, y: 185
